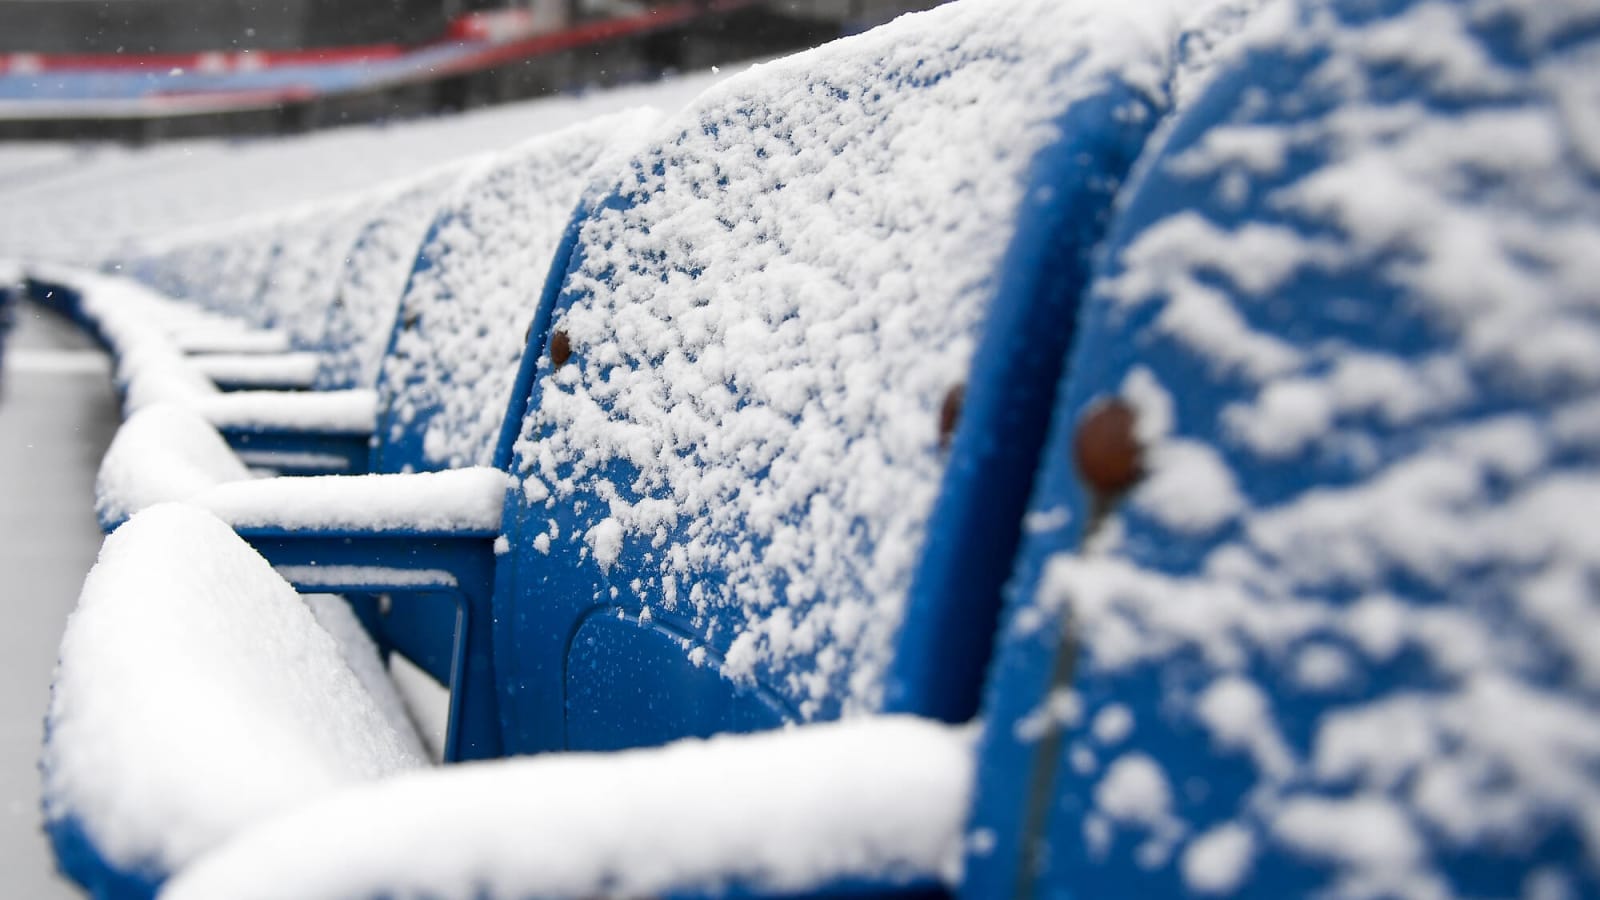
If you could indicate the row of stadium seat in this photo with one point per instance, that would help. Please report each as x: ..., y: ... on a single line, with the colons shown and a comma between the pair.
x: 1026, y: 449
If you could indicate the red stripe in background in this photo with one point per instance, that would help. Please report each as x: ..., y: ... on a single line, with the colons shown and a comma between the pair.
x: 220, y: 61
x: 467, y: 30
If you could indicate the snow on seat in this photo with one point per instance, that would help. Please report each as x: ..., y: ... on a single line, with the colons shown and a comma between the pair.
x: 448, y: 374
x: 196, y: 693
x: 873, y: 802
x: 358, y: 320
x: 451, y: 360
x: 193, y: 457
x: 255, y: 371
x: 220, y: 269
x: 353, y: 322
x: 778, y: 449
x: 1341, y: 637
x: 127, y: 317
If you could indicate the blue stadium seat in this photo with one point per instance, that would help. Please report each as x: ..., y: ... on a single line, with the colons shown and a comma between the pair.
x: 1308, y: 604
x: 1303, y: 603
x: 477, y: 274
x: 759, y: 476
x: 348, y: 329
x: 858, y: 269
x: 610, y: 633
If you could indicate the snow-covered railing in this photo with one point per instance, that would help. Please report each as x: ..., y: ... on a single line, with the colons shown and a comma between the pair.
x: 1300, y: 602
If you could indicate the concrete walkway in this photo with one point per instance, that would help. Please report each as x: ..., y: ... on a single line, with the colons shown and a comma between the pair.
x: 57, y: 414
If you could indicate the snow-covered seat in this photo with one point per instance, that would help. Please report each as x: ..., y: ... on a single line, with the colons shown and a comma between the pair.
x: 195, y: 701
x: 950, y: 174
x: 224, y: 269
x: 777, y: 451
x: 343, y: 336
x: 450, y: 361
x: 197, y: 693
x: 909, y: 499
x: 891, y: 270
x: 125, y: 316
x: 327, y: 300
x: 1340, y: 639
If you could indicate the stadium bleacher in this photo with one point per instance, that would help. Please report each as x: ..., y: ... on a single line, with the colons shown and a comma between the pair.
x: 1026, y: 449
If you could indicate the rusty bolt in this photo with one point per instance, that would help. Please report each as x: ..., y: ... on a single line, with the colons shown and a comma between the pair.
x: 560, y: 348
x: 950, y: 414
x: 1106, y: 448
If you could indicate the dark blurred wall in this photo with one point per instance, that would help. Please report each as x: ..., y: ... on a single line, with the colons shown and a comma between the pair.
x: 187, y: 26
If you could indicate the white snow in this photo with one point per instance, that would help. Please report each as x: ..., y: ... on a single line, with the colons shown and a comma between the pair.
x: 1188, y: 487
x: 197, y: 694
x: 783, y: 811
x: 162, y: 452
x: 458, y: 501
x: 1217, y: 861
x: 357, y: 322
x: 1134, y: 789
x: 469, y: 310
x: 426, y: 700
x: 94, y: 203
x: 767, y: 330
x: 1112, y: 724
x: 1369, y: 830
x: 1402, y: 648
x: 334, y: 577
x: 297, y: 370
x: 333, y: 613
x: 350, y: 411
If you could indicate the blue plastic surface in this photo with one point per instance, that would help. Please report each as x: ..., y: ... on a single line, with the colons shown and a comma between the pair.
x: 446, y: 627
x: 558, y: 692
x: 8, y: 304
x: 1047, y: 823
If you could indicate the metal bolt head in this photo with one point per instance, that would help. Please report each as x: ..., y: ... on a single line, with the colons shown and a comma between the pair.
x: 950, y: 414
x: 560, y: 348
x: 1106, y: 448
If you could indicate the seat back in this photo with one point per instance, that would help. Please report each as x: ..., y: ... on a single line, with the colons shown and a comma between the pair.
x: 783, y: 424
x: 1309, y: 606
x: 219, y: 269
x: 360, y: 316
x: 446, y: 377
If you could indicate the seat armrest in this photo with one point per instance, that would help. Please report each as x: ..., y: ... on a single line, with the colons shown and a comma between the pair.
x: 338, y: 412
x: 460, y: 502
x: 271, y: 371
x: 163, y: 452
x: 874, y: 804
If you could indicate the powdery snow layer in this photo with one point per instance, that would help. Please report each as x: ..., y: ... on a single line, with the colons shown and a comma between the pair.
x: 257, y: 370
x: 163, y: 452
x: 102, y: 202
x: 461, y: 500
x: 471, y: 298
x: 196, y: 694
x: 766, y: 318
x: 343, y: 412
x: 129, y: 316
x: 874, y: 799
x: 357, y: 323
x: 1355, y: 600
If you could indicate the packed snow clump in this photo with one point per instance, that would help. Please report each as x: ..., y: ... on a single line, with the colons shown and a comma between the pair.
x: 875, y: 800
x: 197, y: 694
